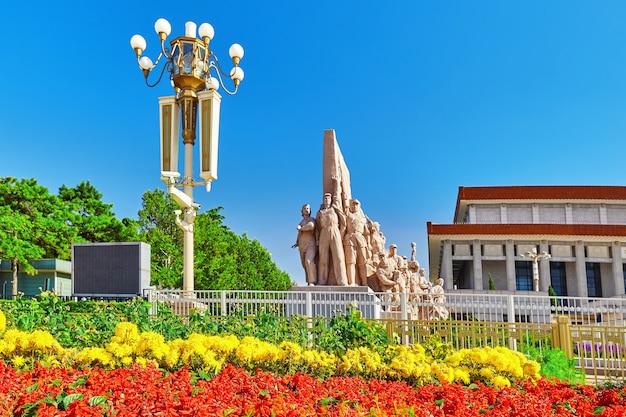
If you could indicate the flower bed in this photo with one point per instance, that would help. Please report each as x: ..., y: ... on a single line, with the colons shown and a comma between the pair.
x: 145, y: 391
x: 209, y: 354
x: 141, y: 373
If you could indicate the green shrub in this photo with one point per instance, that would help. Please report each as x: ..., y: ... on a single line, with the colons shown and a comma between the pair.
x: 266, y: 325
x: 349, y: 331
x: 436, y: 348
x: 555, y: 364
x: 492, y: 285
x: 76, y: 324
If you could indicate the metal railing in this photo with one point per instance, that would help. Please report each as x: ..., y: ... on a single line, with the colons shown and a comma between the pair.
x: 600, y: 351
x: 509, y: 308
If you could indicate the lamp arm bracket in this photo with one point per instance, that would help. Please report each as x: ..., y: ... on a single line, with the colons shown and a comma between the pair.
x: 164, y: 52
x: 214, y: 64
x: 160, y: 76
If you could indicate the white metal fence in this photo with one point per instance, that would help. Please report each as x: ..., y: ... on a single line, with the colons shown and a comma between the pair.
x: 459, y: 306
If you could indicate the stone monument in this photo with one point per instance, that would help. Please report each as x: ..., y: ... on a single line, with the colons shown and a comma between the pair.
x: 342, y: 247
x: 349, y: 245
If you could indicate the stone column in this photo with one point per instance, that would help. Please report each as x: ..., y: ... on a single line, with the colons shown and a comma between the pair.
x: 478, y: 265
x: 510, y: 266
x: 618, y: 268
x: 446, y: 265
x: 581, y: 270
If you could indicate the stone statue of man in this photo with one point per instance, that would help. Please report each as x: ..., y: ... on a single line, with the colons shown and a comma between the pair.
x: 330, y: 224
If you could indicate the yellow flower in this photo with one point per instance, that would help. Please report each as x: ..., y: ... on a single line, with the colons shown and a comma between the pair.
x: 144, y: 363
x: 322, y: 361
x: 500, y: 381
x: 44, y: 341
x: 94, y: 356
x: 222, y: 344
x: 13, y: 340
x: 173, y: 354
x: 487, y: 373
x: 462, y: 375
x: 289, y: 351
x: 3, y: 322
x: 252, y: 350
x: 531, y: 368
x: 126, y: 332
x: 442, y: 372
x: 119, y: 350
x: 6, y: 347
x: 211, y: 363
x: 151, y: 344
x: 18, y: 361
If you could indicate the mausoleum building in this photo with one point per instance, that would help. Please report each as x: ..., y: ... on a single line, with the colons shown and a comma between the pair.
x: 582, y: 228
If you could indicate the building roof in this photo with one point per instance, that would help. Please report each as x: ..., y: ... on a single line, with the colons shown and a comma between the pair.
x: 527, y: 229
x: 538, y: 193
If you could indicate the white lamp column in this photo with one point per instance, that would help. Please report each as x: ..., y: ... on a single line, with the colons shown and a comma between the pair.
x: 190, y: 66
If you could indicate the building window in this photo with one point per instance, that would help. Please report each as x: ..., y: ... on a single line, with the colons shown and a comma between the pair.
x: 594, y: 283
x: 558, y: 279
x: 624, y: 269
x: 523, y: 276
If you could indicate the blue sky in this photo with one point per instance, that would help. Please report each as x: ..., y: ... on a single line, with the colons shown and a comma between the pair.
x: 424, y: 96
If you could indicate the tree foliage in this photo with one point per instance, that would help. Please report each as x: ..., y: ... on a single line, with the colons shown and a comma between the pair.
x: 32, y: 225
x: 158, y: 228
x: 35, y: 224
x: 93, y: 219
x: 223, y: 259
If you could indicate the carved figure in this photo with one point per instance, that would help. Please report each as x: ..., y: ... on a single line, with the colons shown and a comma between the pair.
x: 377, y: 241
x: 384, y: 274
x: 330, y: 225
x: 355, y: 244
x: 439, y: 300
x: 395, y: 260
x: 307, y: 244
x: 423, y: 286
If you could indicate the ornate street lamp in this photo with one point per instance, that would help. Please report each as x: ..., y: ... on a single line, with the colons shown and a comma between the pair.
x: 534, y: 256
x: 191, y: 66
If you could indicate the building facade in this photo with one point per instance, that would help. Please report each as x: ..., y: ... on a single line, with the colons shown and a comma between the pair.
x: 582, y: 228
x: 52, y: 274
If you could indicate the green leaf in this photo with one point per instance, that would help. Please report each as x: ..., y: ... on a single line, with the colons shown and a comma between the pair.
x: 32, y: 387
x: 68, y: 399
x: 328, y: 401
x: 97, y: 400
x: 80, y: 381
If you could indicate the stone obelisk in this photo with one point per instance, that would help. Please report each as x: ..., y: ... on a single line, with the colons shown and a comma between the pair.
x: 334, y: 165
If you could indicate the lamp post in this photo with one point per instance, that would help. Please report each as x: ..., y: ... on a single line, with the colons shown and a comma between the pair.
x: 190, y: 64
x: 534, y: 256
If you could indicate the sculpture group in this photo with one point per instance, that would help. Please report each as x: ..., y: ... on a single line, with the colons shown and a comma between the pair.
x: 341, y: 246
